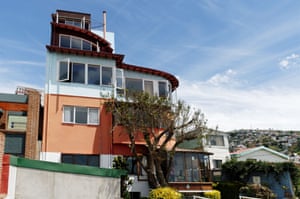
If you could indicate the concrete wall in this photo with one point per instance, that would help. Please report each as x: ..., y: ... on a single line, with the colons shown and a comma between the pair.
x: 38, y: 179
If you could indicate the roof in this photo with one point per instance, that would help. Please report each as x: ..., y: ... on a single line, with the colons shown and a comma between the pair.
x: 247, y: 151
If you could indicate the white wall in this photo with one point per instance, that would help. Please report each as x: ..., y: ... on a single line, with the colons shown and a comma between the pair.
x: 25, y: 183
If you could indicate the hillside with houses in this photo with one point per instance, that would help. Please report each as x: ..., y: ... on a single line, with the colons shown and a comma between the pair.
x: 286, y: 142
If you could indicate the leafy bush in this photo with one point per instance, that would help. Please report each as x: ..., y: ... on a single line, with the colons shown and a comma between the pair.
x: 164, y: 193
x: 214, y: 194
x: 253, y: 190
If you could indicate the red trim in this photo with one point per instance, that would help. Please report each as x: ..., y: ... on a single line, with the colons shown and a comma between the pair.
x: 5, y: 174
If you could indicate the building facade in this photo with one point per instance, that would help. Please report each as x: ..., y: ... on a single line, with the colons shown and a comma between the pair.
x: 82, y: 74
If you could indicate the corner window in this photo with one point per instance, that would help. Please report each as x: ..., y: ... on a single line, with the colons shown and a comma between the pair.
x: 63, y: 71
x: 80, y: 115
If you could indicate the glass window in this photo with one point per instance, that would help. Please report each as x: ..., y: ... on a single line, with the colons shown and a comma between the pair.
x: 216, y: 140
x: 94, y: 74
x: 134, y: 84
x: 217, y: 164
x: 15, y: 144
x: 76, y: 43
x: 93, y: 116
x: 65, y: 41
x: 68, y: 114
x: 78, y: 73
x: 119, y: 76
x: 89, y: 160
x: 81, y: 115
x: 162, y: 89
x: 148, y: 87
x: 86, y: 45
x: 63, y: 71
x: 189, y: 167
x: 106, y: 75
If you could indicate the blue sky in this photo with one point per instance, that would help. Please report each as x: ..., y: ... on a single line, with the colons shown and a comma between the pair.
x: 237, y: 61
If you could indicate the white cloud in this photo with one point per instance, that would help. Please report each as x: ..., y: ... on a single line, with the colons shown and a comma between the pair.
x: 223, y: 78
x: 232, y: 108
x: 291, y: 61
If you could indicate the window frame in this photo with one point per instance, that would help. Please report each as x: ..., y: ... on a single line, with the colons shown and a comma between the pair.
x: 72, y: 39
x: 74, y: 112
x: 70, y: 72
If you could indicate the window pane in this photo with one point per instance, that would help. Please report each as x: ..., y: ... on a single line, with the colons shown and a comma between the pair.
x: 63, y: 71
x: 86, y: 45
x: 177, y: 173
x: 93, y: 116
x: 80, y: 159
x: 68, y: 114
x: 67, y: 159
x: 81, y: 115
x: 106, y: 76
x: 94, y: 75
x: 78, y: 73
x: 15, y: 144
x: 93, y: 160
x: 76, y: 43
x: 134, y: 84
x: 65, y: 41
x: 162, y: 89
x: 119, y: 76
x: 148, y: 87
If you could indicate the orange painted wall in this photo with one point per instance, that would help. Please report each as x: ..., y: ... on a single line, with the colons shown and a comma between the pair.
x: 75, y: 138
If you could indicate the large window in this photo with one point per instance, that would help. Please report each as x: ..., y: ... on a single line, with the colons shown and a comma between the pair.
x: 76, y: 72
x: 190, y: 167
x: 67, y: 41
x: 80, y: 115
x: 90, y: 160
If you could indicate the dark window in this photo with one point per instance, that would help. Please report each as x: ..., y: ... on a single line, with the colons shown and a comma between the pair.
x: 78, y: 73
x: 89, y: 160
x: 63, y: 71
x: 86, y: 45
x: 15, y: 144
x: 94, y: 74
x: 190, y: 167
x: 81, y: 115
x: 162, y: 89
x: 65, y: 41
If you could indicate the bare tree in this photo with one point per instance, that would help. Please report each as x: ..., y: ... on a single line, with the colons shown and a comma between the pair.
x: 163, y: 126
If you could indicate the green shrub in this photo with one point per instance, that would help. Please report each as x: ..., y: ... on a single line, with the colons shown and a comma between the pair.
x: 164, y: 193
x: 214, y: 194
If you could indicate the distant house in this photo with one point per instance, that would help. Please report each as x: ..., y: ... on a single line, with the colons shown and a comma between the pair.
x: 259, y: 154
x: 281, y: 185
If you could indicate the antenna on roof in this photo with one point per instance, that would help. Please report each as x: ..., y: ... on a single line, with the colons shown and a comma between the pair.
x: 104, y: 24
